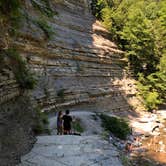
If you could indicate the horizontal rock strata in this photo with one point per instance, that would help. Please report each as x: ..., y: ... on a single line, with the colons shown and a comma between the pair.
x: 9, y: 87
x: 77, y: 64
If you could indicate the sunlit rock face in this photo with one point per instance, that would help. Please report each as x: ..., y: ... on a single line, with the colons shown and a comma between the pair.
x: 71, y: 55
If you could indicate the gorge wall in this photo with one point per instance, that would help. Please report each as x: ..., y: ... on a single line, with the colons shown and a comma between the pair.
x: 73, y: 60
x: 74, y: 64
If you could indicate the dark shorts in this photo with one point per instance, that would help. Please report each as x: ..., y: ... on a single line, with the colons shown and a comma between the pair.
x: 67, y: 127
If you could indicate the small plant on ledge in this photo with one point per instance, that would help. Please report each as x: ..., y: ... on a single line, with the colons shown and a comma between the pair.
x: 47, y: 29
x: 77, y: 126
x: 117, y: 126
x: 44, y: 7
x: 11, y: 16
x: 42, y: 122
x: 22, y: 74
x: 60, y: 94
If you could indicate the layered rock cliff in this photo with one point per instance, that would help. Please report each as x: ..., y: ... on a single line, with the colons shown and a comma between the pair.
x: 71, y: 56
x: 74, y: 64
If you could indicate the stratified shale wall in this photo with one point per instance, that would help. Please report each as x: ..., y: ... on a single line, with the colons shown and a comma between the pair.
x: 73, y: 60
x: 70, y: 54
x: 78, y: 63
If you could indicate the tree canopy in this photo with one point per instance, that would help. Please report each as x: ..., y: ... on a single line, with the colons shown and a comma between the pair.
x: 139, y: 28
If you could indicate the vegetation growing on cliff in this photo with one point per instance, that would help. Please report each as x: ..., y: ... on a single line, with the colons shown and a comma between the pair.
x: 10, y: 15
x: 41, y: 122
x: 10, y: 8
x: 14, y: 61
x: 61, y: 94
x: 46, y: 12
x: 45, y: 27
x: 23, y: 75
x: 77, y: 126
x: 117, y: 126
x: 139, y: 27
x: 44, y: 7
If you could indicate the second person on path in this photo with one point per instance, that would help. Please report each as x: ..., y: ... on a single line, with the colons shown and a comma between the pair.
x: 67, y: 119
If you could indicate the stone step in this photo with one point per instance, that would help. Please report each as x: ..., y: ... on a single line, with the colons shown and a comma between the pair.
x: 72, y: 150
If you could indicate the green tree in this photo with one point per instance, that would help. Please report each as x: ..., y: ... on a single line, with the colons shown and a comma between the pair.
x: 139, y: 28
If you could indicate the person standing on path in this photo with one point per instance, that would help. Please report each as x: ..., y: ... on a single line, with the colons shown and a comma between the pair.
x: 60, y: 123
x: 67, y: 119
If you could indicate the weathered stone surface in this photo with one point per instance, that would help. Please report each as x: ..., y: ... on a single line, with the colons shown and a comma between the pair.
x: 77, y: 64
x: 16, y: 135
x: 8, y: 85
x: 71, y: 151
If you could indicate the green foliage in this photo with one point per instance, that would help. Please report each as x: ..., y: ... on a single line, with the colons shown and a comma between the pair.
x: 125, y: 160
x: 162, y: 65
x: 76, y: 125
x: 118, y: 126
x: 41, y: 125
x: 105, y: 135
x: 152, y: 89
x: 60, y: 93
x: 10, y: 12
x: 9, y: 7
x: 139, y: 27
x: 152, y: 99
x: 47, y: 29
x: 23, y: 76
x: 44, y: 7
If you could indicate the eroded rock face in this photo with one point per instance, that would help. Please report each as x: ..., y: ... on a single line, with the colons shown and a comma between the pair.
x: 16, y: 135
x: 70, y: 53
x: 78, y: 63
x: 74, y: 61
x: 71, y: 56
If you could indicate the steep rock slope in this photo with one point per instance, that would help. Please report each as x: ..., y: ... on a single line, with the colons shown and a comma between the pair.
x: 17, y: 119
x: 73, y: 60
x: 78, y: 63
x: 70, y: 53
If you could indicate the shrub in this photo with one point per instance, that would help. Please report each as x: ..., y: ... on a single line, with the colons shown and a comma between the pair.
x: 118, y: 126
x: 44, y: 8
x: 105, y: 135
x: 60, y: 93
x: 138, y: 27
x: 77, y: 126
x: 125, y: 160
x: 152, y: 89
x: 22, y: 74
x: 9, y: 7
x: 41, y: 125
x: 10, y: 12
x: 47, y: 29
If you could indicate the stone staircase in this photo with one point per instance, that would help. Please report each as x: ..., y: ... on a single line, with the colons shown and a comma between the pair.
x: 72, y: 150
